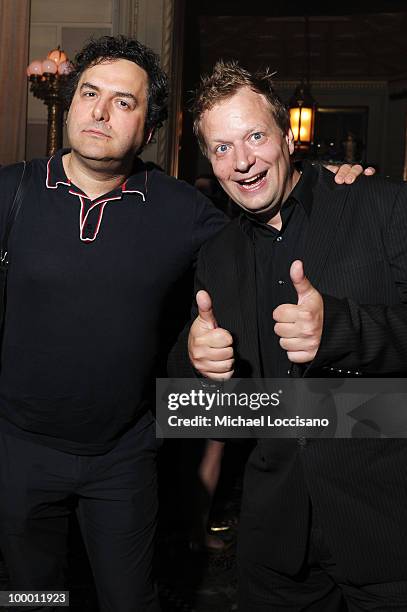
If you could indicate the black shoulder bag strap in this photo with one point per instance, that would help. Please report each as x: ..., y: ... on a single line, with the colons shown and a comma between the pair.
x: 12, y: 216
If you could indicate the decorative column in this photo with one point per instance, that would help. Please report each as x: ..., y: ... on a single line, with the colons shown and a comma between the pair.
x: 159, y: 25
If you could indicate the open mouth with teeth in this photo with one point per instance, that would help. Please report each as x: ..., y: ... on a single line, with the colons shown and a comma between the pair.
x: 255, y: 182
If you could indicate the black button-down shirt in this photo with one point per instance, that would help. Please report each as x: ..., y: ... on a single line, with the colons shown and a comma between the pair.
x: 275, y: 250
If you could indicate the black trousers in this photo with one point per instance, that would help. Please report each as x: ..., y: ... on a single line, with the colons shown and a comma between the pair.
x: 318, y: 587
x: 115, y: 498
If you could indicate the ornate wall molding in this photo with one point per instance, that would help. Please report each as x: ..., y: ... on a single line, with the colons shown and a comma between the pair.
x: 135, y: 12
x: 125, y: 14
x: 166, y: 63
x: 349, y: 85
x: 158, y: 23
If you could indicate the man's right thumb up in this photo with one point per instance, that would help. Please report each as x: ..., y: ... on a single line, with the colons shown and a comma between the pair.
x: 205, y: 310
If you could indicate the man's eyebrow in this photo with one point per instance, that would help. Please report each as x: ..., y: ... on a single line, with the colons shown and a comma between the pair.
x: 88, y: 85
x: 121, y: 94
x: 125, y: 94
x: 251, y: 130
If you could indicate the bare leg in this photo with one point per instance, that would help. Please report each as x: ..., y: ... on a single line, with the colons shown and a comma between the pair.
x: 208, y: 477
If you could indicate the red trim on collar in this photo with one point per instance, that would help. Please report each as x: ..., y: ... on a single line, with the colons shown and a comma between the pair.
x: 48, y: 176
x: 126, y: 189
x: 136, y: 191
x: 84, y: 217
x: 80, y: 195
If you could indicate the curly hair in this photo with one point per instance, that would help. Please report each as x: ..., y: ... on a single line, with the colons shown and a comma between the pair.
x: 226, y: 80
x: 121, y: 47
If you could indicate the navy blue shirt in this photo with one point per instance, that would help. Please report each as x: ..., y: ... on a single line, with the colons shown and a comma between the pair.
x: 90, y: 288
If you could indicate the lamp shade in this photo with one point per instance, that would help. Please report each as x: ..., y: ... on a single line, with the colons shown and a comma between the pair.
x: 49, y: 66
x: 65, y: 67
x: 302, y: 115
x: 57, y: 55
x: 35, y: 68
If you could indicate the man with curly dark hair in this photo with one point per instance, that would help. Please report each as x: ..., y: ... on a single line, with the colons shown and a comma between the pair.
x: 99, y: 244
x: 121, y: 47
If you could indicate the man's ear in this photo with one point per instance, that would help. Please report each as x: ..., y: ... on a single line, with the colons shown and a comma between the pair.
x: 289, y: 137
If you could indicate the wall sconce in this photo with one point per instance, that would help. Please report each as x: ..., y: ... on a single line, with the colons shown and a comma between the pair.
x: 47, y: 78
x: 302, y: 105
x: 302, y: 108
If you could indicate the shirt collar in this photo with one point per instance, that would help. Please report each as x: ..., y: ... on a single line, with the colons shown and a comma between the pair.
x: 301, y: 194
x: 55, y: 171
x: 303, y: 191
x: 136, y: 183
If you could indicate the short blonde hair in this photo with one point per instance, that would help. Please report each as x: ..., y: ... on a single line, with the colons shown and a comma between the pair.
x: 226, y: 79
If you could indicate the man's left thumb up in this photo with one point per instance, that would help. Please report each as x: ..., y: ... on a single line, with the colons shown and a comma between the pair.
x: 301, y: 283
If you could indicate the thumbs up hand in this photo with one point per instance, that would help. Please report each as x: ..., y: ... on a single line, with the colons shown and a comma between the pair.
x: 210, y: 347
x: 299, y: 326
